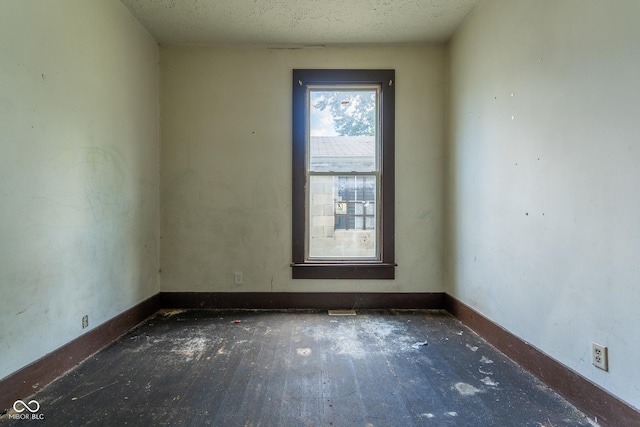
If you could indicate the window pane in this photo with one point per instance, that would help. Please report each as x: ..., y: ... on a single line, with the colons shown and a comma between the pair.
x: 359, y: 223
x: 338, y: 227
x: 342, y: 130
x: 370, y: 223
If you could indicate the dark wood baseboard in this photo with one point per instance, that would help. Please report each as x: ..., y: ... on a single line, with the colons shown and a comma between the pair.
x: 302, y: 300
x: 38, y: 374
x: 585, y: 395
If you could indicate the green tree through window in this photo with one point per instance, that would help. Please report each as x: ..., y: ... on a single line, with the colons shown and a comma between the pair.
x: 354, y: 113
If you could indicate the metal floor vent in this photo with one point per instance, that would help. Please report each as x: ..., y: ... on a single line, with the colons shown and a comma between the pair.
x: 342, y: 312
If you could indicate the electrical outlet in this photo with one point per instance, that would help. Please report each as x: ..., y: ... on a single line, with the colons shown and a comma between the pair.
x: 85, y: 321
x: 599, y: 356
x: 237, y: 278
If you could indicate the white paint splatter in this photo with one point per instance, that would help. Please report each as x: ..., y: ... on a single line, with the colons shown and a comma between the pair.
x: 303, y: 351
x: 192, y: 348
x: 459, y: 333
x: 472, y: 347
x: 348, y: 344
x: 466, y: 389
x: 485, y: 360
x: 593, y: 422
x: 488, y: 381
x: 427, y: 415
x: 451, y: 414
x: 485, y: 372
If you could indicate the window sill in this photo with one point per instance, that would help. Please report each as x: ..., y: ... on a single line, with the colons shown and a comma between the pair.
x: 360, y: 270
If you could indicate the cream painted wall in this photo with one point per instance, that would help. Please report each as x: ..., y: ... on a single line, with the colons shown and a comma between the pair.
x: 78, y: 171
x: 226, y: 166
x: 543, y: 173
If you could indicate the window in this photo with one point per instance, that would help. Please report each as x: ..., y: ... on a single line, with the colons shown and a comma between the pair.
x: 356, y: 203
x: 343, y: 174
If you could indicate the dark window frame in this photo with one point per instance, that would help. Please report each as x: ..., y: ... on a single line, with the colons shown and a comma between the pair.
x: 378, y: 269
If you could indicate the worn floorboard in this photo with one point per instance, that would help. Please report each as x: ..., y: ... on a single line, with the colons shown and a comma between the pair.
x: 300, y: 368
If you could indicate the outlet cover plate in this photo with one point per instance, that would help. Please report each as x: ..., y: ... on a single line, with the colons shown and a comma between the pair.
x: 599, y: 356
x: 85, y: 321
x: 237, y: 278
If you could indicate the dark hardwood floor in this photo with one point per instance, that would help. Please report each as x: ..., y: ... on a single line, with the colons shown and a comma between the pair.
x: 299, y: 368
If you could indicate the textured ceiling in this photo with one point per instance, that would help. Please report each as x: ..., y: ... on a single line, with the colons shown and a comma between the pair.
x: 300, y: 22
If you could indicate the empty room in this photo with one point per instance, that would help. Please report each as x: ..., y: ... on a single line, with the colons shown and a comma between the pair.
x: 361, y: 213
